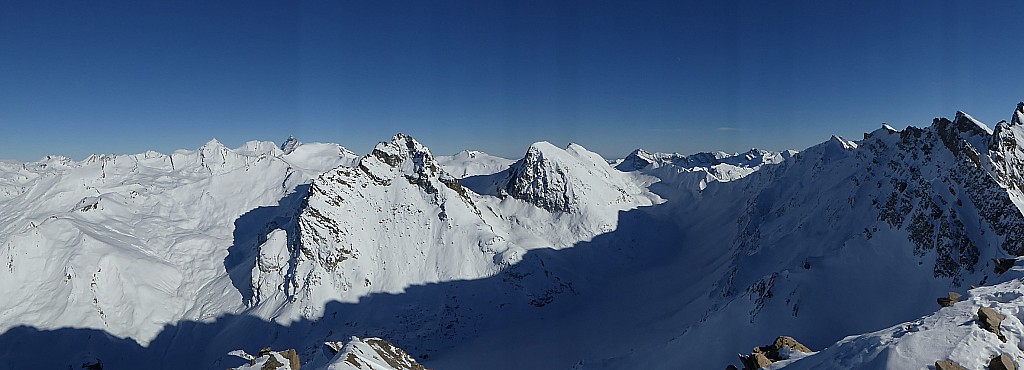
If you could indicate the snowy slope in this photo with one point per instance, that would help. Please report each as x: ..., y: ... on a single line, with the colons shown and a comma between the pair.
x: 817, y: 239
x: 129, y: 243
x: 951, y: 333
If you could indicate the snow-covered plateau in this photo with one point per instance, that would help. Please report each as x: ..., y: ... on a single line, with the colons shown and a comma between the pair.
x: 307, y: 254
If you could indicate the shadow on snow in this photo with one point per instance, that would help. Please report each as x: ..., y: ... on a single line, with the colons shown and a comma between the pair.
x: 422, y: 320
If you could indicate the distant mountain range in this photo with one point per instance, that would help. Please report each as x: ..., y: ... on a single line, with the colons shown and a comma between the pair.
x: 557, y: 260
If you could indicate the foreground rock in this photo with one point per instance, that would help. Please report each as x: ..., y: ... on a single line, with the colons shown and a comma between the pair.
x: 948, y: 365
x: 270, y: 360
x: 949, y: 299
x: 989, y: 320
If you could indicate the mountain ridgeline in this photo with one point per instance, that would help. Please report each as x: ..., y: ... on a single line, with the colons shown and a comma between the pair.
x: 557, y: 260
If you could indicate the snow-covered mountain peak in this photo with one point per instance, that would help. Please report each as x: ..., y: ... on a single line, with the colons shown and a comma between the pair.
x: 841, y: 143
x: 396, y: 205
x: 963, y: 129
x: 257, y: 148
x: 213, y: 144
x: 403, y: 155
x: 967, y: 124
x: 472, y: 163
x: 468, y: 154
x: 636, y: 160
x: 558, y: 180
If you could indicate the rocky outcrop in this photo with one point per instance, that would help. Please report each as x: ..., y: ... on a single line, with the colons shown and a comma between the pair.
x: 1002, y: 362
x: 372, y: 354
x: 568, y: 180
x: 949, y: 299
x: 989, y: 320
x: 288, y: 146
x: 779, y: 350
x: 754, y: 361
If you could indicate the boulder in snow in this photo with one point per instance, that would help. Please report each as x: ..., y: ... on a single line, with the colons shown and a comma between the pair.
x: 1002, y: 362
x: 948, y: 365
x: 949, y: 299
x: 1003, y: 264
x: 990, y: 320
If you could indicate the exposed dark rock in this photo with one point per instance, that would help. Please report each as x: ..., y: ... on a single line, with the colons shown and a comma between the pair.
x: 1003, y: 264
x: 1002, y: 362
x: 989, y: 320
x: 948, y: 365
x: 949, y: 299
x: 537, y: 180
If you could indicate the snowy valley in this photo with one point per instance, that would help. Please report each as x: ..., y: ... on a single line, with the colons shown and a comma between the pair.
x: 230, y: 257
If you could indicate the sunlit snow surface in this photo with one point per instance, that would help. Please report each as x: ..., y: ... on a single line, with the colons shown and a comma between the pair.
x: 556, y: 260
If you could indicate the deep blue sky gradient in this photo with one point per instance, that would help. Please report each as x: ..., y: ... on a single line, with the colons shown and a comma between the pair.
x: 80, y: 77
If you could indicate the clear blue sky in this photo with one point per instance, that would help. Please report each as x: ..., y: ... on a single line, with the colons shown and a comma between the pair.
x: 79, y: 77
